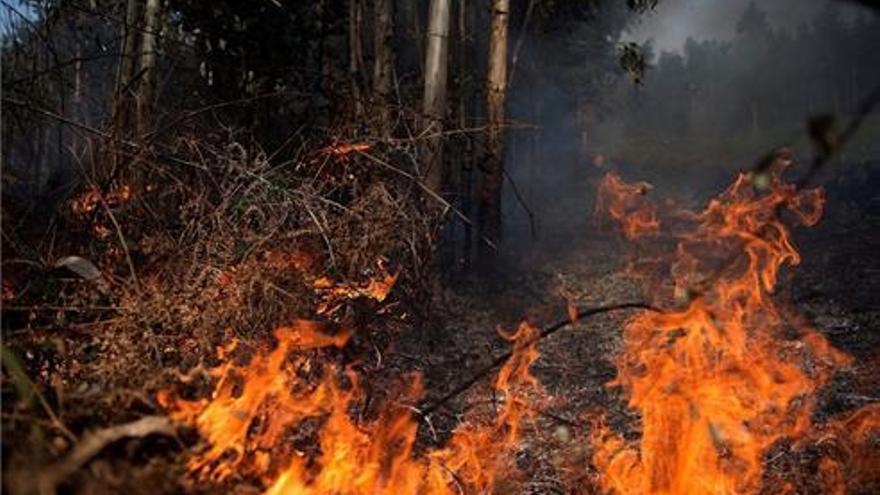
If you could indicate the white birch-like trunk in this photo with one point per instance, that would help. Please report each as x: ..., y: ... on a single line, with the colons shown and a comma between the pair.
x: 434, y: 101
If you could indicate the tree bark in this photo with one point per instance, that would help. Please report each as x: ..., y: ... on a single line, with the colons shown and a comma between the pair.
x: 383, y: 63
x: 125, y: 74
x: 434, y: 101
x: 496, y: 90
x: 147, y: 94
x: 356, y: 54
x: 465, y: 167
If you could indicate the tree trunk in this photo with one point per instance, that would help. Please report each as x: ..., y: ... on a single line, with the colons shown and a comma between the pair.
x: 496, y: 89
x: 125, y: 74
x: 383, y: 63
x: 434, y: 102
x: 356, y: 54
x: 147, y: 94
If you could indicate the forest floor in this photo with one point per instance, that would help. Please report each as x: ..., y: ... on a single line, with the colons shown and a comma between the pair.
x: 836, y: 287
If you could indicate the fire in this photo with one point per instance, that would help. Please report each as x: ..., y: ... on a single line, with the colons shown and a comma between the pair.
x: 716, y: 383
x: 333, y: 294
x: 257, y: 411
x: 852, y: 443
x: 720, y: 381
x: 343, y: 149
x: 88, y: 201
x: 625, y: 204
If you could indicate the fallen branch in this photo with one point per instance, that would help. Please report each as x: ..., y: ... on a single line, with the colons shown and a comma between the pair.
x: 46, y: 480
x: 546, y: 332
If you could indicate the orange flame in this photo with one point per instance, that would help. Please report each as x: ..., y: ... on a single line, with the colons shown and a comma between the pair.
x: 717, y: 383
x: 624, y: 203
x: 852, y: 443
x: 258, y: 408
x: 87, y: 201
x: 333, y: 293
x: 343, y: 149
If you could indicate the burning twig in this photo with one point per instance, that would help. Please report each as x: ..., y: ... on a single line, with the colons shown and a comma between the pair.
x: 498, y: 361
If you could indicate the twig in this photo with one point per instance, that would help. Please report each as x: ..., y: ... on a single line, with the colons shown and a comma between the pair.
x: 525, y: 206
x: 15, y: 369
x: 46, y: 480
x: 520, y: 39
x: 323, y: 234
x: 61, y: 308
x: 38, y: 421
x: 60, y: 118
x: 124, y: 244
x: 446, y: 204
x: 216, y: 106
x: 546, y: 332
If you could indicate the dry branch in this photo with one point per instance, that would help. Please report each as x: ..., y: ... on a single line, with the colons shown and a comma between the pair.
x: 45, y: 481
x: 546, y: 332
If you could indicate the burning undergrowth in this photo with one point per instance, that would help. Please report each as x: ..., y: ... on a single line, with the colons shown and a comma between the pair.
x: 725, y: 382
x: 729, y: 373
x: 135, y: 283
x: 257, y: 410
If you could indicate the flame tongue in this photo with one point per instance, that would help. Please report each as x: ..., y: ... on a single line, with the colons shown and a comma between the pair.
x: 625, y: 204
x: 720, y: 381
x: 258, y: 409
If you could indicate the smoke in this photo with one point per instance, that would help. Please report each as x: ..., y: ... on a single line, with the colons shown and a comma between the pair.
x: 674, y: 21
x: 705, y: 111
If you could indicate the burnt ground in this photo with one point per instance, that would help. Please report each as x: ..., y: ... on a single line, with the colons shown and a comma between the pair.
x: 836, y: 286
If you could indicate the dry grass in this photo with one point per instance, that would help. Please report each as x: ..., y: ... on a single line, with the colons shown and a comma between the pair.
x: 211, y: 241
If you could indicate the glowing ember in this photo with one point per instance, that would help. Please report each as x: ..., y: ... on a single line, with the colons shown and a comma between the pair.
x: 343, y: 149
x: 8, y: 291
x: 334, y: 293
x: 87, y: 201
x: 257, y: 410
x: 716, y: 383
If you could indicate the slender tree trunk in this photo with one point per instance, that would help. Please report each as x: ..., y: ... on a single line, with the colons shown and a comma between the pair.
x: 325, y: 61
x: 125, y: 74
x: 467, y: 104
x: 416, y: 33
x: 147, y: 94
x: 434, y: 102
x: 356, y: 54
x: 383, y: 62
x: 496, y: 90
